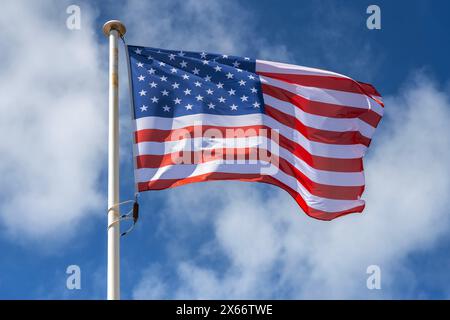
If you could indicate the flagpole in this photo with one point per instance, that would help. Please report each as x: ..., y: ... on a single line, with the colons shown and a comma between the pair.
x: 113, y: 29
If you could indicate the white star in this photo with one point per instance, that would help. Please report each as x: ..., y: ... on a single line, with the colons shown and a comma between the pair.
x: 209, y: 91
x: 188, y: 106
x: 238, y: 70
x: 149, y: 57
x: 166, y: 108
x: 224, y: 56
x: 151, y: 71
x: 196, y: 71
x: 141, y: 78
x: 163, y: 78
x: 208, y: 78
x: 175, y: 85
x: 171, y: 56
x: 162, y: 64
x: 220, y: 85
x: 253, y: 90
x: 199, y: 98
x: 187, y: 91
x: 229, y: 75
x: 165, y: 92
x: 251, y: 77
x: 233, y: 107
x: 198, y: 84
x: 177, y: 101
x: 222, y: 99
x: 256, y: 105
x: 218, y: 68
x: 142, y: 92
x: 203, y: 55
x: 155, y: 99
x: 183, y: 64
x: 242, y: 83
x: 246, y: 58
x: 244, y: 98
x: 185, y: 76
x: 205, y: 62
x: 144, y: 108
x: 181, y: 54
x: 138, y: 51
x: 211, y: 105
x: 236, y: 64
x: 153, y: 84
x: 140, y: 64
x: 173, y: 70
x: 231, y: 92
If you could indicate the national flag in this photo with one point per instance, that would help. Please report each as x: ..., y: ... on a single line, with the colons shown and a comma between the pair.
x: 200, y: 116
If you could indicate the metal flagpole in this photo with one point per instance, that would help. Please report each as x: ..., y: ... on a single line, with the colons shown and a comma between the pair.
x: 113, y: 29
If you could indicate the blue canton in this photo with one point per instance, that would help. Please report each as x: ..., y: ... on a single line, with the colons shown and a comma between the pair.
x: 168, y: 83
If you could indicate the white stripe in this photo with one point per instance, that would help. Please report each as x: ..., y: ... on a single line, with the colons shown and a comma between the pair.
x: 315, y: 148
x: 218, y: 120
x: 342, y: 98
x: 203, y: 144
x: 278, y: 67
x: 187, y: 171
x: 320, y: 122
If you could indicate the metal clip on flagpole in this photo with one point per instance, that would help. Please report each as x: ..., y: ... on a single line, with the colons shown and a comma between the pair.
x: 113, y: 29
x: 133, y: 214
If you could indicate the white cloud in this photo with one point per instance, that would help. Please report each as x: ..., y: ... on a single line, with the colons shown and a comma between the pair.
x: 52, y: 124
x: 151, y: 287
x: 270, y: 251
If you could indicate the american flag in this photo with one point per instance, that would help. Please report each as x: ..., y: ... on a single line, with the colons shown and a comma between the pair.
x: 200, y: 116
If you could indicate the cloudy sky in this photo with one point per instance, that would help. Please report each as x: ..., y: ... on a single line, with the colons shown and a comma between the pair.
x: 221, y: 239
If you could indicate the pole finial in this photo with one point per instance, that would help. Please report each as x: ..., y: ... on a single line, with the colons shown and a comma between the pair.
x: 114, y: 25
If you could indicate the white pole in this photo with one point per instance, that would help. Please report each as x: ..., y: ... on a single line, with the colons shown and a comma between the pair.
x: 113, y: 29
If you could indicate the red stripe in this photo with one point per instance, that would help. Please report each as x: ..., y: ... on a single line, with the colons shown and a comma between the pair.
x: 323, y: 136
x: 197, y: 157
x: 158, y: 135
x: 171, y: 183
x: 318, y: 135
x: 325, y: 82
x: 317, y: 162
x: 321, y: 108
x: 202, y: 156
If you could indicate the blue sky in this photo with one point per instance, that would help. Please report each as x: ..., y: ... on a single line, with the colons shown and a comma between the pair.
x: 221, y: 239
